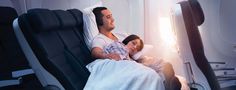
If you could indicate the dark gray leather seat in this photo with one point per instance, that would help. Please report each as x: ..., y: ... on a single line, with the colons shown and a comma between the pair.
x: 56, y: 41
x: 15, y: 72
x: 193, y: 17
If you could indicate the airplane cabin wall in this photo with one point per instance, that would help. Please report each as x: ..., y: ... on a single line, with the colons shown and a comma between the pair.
x: 50, y: 4
x: 209, y: 27
x: 128, y: 14
x: 60, y: 4
x: 23, y: 5
x: 227, y: 29
x: 120, y: 12
x: 218, y: 32
x: 19, y: 5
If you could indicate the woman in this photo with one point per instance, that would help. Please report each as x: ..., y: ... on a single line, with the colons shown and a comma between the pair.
x: 127, y: 48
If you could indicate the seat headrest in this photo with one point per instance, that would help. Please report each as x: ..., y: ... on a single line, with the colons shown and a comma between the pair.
x: 78, y: 16
x: 8, y: 14
x: 43, y: 20
x: 197, y: 12
x: 65, y: 18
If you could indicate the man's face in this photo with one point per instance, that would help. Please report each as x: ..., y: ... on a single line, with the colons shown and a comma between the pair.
x: 108, y: 20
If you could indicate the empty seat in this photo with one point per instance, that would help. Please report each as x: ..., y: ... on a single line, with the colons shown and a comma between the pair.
x: 54, y: 39
x: 13, y: 64
x: 188, y: 17
x: 13, y: 57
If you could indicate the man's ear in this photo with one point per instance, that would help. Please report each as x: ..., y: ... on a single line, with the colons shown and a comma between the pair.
x: 99, y: 22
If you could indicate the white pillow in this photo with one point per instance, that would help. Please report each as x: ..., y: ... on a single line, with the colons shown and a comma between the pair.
x: 143, y: 52
x: 90, y: 25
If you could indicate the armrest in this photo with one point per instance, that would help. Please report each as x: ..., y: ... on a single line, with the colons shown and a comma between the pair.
x: 16, y: 77
x: 19, y: 73
x: 10, y: 82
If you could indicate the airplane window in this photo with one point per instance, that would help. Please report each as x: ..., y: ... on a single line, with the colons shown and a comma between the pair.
x: 167, y: 33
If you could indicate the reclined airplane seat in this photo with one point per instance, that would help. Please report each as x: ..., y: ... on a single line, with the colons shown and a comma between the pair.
x: 188, y: 16
x: 77, y: 45
x: 74, y: 43
x: 80, y: 32
x: 58, y: 50
x: 15, y: 72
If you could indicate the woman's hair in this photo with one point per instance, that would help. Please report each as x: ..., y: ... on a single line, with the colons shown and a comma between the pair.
x: 98, y: 15
x: 133, y: 37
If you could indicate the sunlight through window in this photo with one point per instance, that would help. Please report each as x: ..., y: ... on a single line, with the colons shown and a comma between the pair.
x: 167, y: 34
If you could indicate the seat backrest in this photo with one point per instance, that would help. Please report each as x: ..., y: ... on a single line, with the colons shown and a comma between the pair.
x: 80, y: 32
x: 14, y: 58
x: 73, y: 39
x: 193, y: 17
x: 52, y: 37
x: 13, y: 64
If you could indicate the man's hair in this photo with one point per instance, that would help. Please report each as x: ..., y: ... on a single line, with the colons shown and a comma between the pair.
x: 133, y: 37
x: 98, y: 15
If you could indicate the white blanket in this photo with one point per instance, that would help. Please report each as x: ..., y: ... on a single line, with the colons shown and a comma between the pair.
x: 122, y: 75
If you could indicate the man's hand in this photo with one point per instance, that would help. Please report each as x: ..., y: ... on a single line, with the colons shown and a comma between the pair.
x: 114, y: 56
x: 98, y: 53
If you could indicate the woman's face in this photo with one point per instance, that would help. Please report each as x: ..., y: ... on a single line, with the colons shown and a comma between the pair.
x: 133, y: 46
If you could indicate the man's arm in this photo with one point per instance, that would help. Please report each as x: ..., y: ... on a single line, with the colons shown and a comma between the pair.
x: 98, y: 53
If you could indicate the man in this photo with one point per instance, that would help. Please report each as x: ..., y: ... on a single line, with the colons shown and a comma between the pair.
x: 105, y: 23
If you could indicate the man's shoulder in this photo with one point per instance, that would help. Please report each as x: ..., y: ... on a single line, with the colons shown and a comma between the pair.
x: 100, y: 39
x: 99, y: 36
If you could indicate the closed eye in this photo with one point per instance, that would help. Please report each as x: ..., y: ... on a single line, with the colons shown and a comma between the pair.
x: 109, y: 16
x: 134, y: 43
